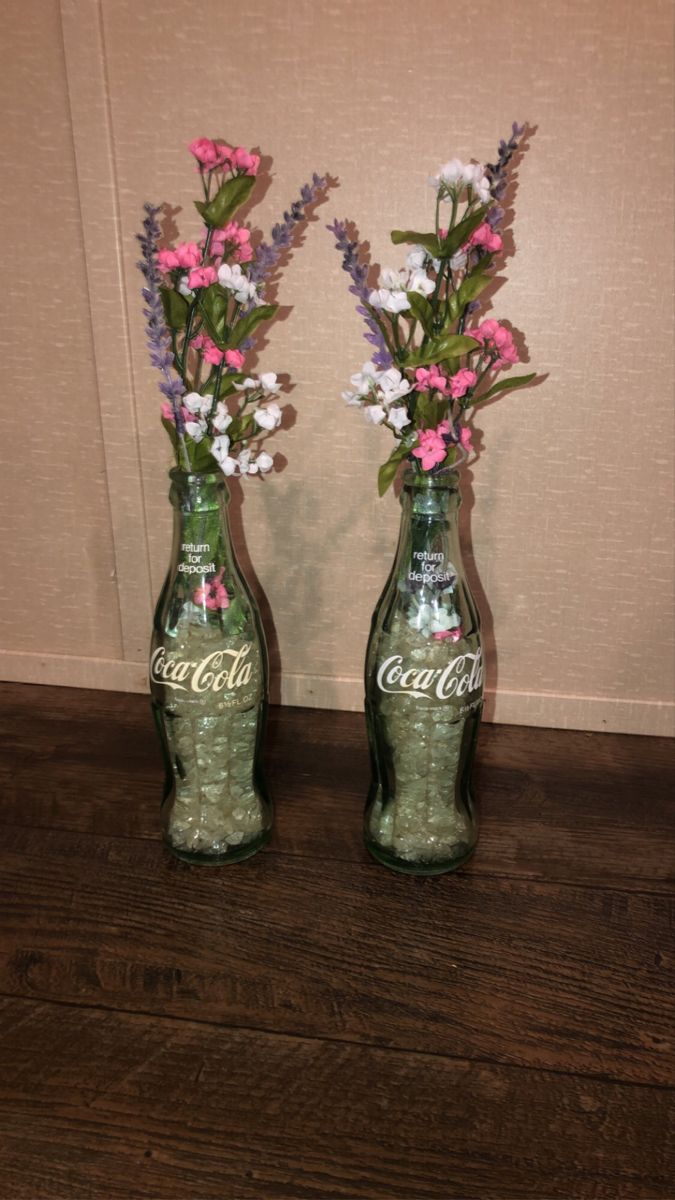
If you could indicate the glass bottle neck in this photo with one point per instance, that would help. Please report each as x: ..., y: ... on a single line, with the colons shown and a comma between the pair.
x: 429, y: 553
x: 198, y: 492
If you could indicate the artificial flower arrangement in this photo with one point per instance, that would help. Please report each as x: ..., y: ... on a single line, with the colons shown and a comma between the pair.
x: 429, y: 369
x: 204, y: 303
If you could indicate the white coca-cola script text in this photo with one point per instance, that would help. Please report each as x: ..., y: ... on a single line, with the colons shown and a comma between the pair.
x: 460, y: 677
x: 223, y: 670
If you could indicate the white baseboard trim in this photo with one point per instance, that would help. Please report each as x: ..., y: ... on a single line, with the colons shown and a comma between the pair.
x: 545, y: 709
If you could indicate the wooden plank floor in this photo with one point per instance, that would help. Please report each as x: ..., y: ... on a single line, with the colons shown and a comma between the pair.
x: 308, y: 1025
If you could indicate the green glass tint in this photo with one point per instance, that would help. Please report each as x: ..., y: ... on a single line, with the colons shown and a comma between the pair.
x: 208, y: 679
x: 424, y: 691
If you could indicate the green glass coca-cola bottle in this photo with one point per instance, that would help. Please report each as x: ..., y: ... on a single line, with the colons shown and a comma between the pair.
x: 208, y: 680
x: 424, y: 690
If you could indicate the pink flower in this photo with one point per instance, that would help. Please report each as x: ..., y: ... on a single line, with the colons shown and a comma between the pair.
x: 455, y: 634
x: 201, y: 277
x: 185, y: 256
x: 167, y: 260
x: 214, y: 594
x: 213, y: 355
x: 234, y: 232
x: 461, y: 382
x: 210, y: 154
x: 235, y: 359
x: 243, y: 253
x: 430, y: 379
x: 210, y: 351
x: 188, y: 255
x: 241, y: 160
x: 432, y: 449
x: 486, y: 237
x: 465, y: 439
x: 442, y: 233
x: 496, y: 337
x: 167, y: 411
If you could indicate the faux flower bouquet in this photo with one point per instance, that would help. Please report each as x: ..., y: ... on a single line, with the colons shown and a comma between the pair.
x: 204, y: 302
x: 429, y: 369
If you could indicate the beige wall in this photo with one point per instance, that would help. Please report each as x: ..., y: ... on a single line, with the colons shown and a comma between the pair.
x: 571, y: 502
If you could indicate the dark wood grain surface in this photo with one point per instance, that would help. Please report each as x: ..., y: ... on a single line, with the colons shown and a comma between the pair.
x: 308, y: 1025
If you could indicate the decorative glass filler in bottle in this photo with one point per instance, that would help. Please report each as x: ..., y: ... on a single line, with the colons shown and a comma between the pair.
x: 208, y: 662
x: 424, y: 668
x: 208, y: 680
x: 424, y: 689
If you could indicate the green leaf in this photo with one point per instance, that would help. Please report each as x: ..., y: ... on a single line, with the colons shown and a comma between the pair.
x: 227, y: 383
x: 430, y: 411
x: 408, y: 236
x: 446, y: 346
x: 213, y: 304
x: 241, y: 427
x: 200, y: 455
x: 245, y: 325
x: 482, y: 265
x: 462, y: 232
x: 421, y: 310
x: 175, y: 307
x: 470, y: 287
x: 387, y: 472
x: 504, y: 385
x: 228, y: 198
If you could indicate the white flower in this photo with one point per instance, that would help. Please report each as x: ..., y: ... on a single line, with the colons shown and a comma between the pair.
x: 234, y: 280
x: 246, y: 466
x: 197, y: 404
x: 219, y: 449
x: 449, y: 174
x: 441, y: 621
x: 374, y: 413
x: 390, y: 279
x: 352, y: 398
x: 183, y: 288
x: 455, y: 175
x: 268, y: 382
x: 398, y: 417
x: 390, y: 295
x: 196, y: 429
x: 475, y: 177
x: 416, y: 258
x: 421, y: 620
x: 221, y: 418
x: 228, y: 466
x: 365, y: 379
x: 268, y: 417
x: 458, y: 260
x: 391, y: 301
x: 265, y: 462
x: 421, y: 283
x: 392, y: 386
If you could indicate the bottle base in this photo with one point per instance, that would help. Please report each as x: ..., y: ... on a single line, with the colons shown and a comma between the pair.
x: 236, y: 854
x: 443, y: 867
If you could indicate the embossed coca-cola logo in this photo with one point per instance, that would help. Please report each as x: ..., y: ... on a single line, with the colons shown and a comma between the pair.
x: 462, y: 676
x: 223, y: 670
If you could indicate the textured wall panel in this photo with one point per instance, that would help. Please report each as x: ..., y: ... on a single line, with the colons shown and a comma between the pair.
x: 569, y: 502
x: 57, y: 590
x: 569, y: 509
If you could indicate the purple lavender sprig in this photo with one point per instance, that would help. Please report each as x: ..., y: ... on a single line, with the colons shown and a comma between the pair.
x: 497, y: 172
x: 267, y: 256
x: 359, y: 287
x: 159, y: 338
